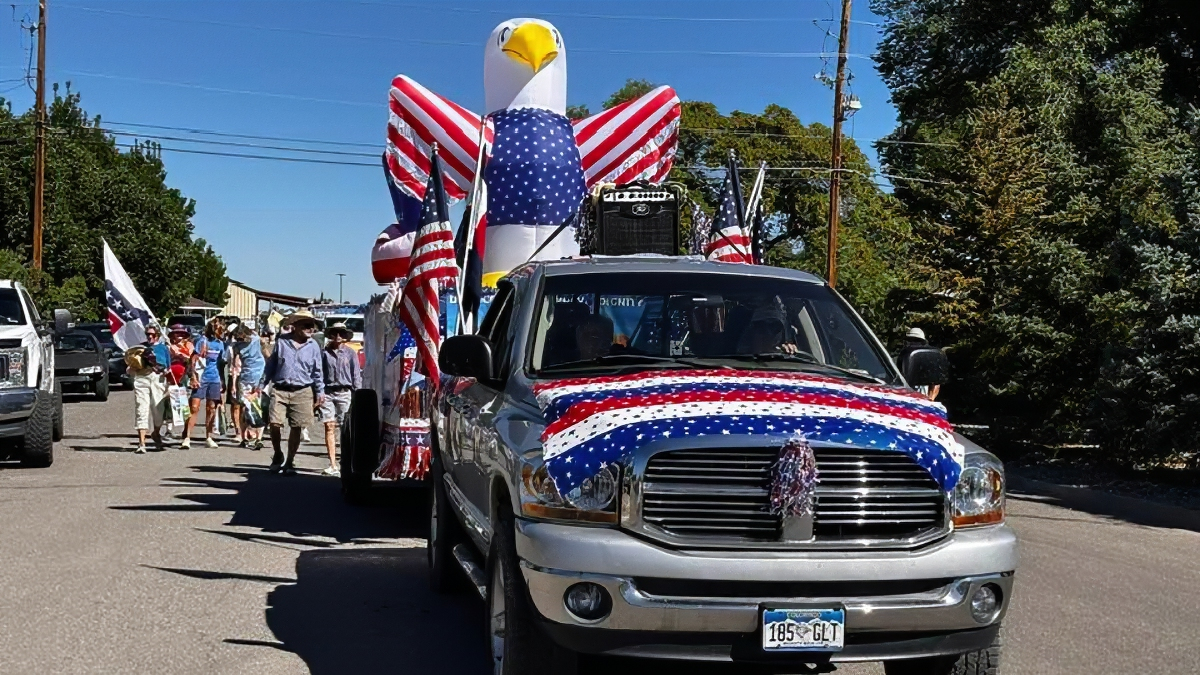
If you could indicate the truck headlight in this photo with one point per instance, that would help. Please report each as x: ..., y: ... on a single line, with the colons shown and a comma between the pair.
x: 12, y: 374
x: 979, y: 495
x: 89, y: 370
x: 594, y: 501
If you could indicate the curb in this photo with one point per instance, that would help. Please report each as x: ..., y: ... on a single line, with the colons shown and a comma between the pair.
x: 1131, y: 509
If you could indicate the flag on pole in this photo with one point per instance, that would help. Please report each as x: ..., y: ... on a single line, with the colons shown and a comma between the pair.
x: 128, y: 313
x: 430, y: 266
x: 727, y: 240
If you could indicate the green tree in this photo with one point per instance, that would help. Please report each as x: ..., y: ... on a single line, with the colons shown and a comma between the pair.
x: 95, y: 192
x: 629, y: 91
x: 1048, y: 192
x: 873, y: 239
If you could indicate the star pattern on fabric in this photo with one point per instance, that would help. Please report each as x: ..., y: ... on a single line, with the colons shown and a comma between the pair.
x: 534, y: 175
x: 591, y: 423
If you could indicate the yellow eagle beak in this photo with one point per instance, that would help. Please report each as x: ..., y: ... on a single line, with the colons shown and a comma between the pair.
x: 533, y: 45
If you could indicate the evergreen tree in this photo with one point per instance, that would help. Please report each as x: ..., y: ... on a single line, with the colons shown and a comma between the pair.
x: 1053, y: 210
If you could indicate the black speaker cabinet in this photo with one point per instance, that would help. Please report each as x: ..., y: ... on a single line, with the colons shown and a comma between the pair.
x: 637, y: 219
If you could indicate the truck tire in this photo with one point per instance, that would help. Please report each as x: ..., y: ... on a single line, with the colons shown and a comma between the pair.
x: 57, y: 435
x: 360, y: 446
x: 983, y: 662
x: 445, y: 576
x: 516, y: 643
x: 37, y: 447
x: 102, y: 390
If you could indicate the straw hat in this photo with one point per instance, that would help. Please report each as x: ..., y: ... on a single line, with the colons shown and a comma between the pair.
x: 297, y: 317
x: 339, y: 328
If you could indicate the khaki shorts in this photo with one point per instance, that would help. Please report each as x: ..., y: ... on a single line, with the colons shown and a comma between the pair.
x: 295, y: 408
x: 337, y: 404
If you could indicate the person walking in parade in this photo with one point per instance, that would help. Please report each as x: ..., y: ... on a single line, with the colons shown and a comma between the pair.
x: 342, y: 376
x: 146, y: 364
x: 247, y: 371
x: 180, y: 349
x: 298, y: 386
x: 206, y: 386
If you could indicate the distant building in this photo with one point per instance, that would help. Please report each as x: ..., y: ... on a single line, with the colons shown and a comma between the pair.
x: 247, y: 303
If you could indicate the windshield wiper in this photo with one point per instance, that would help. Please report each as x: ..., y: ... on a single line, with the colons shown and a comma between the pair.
x: 630, y: 360
x: 805, y: 358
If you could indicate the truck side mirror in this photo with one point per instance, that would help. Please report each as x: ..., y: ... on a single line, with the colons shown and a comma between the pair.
x: 925, y: 366
x: 466, y: 356
x: 63, y: 322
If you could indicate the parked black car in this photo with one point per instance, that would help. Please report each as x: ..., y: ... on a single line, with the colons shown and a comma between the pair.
x: 116, y: 355
x: 80, y: 364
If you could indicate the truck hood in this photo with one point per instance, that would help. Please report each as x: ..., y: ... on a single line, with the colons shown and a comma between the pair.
x: 23, y: 333
x: 596, y: 421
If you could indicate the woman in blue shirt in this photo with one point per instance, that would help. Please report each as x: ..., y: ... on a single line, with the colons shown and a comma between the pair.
x: 206, y: 381
x: 248, y: 364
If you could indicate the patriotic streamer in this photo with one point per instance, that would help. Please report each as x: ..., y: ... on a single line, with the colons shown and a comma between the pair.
x: 594, y: 422
x: 794, y: 479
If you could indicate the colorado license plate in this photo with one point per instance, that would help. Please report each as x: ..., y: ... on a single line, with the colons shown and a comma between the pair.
x: 803, y: 629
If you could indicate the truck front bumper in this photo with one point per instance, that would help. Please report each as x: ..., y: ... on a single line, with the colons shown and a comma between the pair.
x: 707, y: 605
x: 16, y: 405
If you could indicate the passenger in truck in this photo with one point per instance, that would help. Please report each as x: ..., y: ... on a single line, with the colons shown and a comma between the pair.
x: 594, y: 337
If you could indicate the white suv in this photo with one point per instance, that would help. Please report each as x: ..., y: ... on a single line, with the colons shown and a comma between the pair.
x: 31, y: 416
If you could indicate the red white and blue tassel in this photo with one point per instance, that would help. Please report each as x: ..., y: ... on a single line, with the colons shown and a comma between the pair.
x: 794, y: 479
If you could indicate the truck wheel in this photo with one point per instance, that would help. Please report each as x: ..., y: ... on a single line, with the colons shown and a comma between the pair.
x: 444, y: 533
x: 516, y: 643
x: 982, y: 662
x: 37, y: 447
x: 102, y: 390
x: 360, y: 446
x: 57, y: 435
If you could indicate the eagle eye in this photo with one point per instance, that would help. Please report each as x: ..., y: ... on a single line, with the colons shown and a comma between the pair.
x: 557, y: 40
x: 504, y: 32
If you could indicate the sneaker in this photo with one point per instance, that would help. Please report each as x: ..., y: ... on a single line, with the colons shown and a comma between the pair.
x: 185, y: 444
x: 304, y: 436
x: 258, y: 444
x: 141, y: 450
x: 276, y: 464
x: 289, y: 470
x: 244, y: 443
x: 331, y: 471
x: 210, y: 442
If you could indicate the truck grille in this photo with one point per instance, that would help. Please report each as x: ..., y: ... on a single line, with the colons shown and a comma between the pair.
x: 724, y: 493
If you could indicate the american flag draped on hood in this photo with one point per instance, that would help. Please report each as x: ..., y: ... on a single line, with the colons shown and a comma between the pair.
x: 594, y: 422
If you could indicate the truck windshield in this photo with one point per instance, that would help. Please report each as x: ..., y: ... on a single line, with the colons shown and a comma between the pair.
x: 600, y: 322
x: 11, y: 313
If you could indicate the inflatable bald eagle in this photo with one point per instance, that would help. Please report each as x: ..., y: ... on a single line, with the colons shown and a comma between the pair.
x: 539, y: 165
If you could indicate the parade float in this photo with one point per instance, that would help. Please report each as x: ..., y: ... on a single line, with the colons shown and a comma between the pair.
x: 534, y: 182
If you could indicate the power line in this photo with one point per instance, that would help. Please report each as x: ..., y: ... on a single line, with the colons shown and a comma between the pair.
x: 298, y: 160
x: 458, y: 43
x: 221, y: 90
x: 251, y: 136
x: 236, y: 144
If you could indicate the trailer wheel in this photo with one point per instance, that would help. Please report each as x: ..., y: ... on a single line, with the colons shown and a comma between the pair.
x: 360, y: 446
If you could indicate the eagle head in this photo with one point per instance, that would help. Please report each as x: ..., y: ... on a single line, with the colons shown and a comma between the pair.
x: 525, y: 66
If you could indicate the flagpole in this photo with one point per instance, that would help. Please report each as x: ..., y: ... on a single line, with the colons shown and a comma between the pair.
x: 471, y: 220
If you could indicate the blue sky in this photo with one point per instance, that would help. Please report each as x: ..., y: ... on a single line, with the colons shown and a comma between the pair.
x: 302, y: 69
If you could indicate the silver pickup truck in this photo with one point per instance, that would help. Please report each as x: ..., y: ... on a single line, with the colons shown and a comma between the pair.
x: 674, y: 386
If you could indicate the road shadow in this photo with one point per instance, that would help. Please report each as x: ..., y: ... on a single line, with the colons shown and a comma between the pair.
x: 305, y: 505
x: 371, y: 611
x: 1100, y: 503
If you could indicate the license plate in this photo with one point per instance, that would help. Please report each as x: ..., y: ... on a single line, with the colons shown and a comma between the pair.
x: 803, y: 629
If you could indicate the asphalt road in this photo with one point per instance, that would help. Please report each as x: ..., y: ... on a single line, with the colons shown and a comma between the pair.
x: 199, y: 561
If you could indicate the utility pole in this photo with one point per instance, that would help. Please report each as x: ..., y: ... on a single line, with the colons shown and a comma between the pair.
x: 340, y: 276
x: 39, y: 140
x: 835, y: 162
